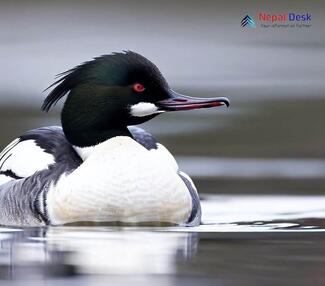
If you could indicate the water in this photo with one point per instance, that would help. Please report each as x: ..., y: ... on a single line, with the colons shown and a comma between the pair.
x: 244, y: 240
x: 207, y: 167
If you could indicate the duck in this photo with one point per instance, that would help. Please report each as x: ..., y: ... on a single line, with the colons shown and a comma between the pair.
x: 99, y: 166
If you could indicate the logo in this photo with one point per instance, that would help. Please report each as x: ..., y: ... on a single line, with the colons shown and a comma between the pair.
x: 278, y: 20
x: 248, y: 21
x: 284, y: 17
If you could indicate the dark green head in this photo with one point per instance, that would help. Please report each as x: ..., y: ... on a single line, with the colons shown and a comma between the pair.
x: 109, y: 93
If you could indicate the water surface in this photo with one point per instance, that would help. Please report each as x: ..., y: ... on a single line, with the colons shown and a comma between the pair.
x: 244, y: 240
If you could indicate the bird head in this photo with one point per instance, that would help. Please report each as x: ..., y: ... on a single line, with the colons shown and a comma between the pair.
x: 110, y: 92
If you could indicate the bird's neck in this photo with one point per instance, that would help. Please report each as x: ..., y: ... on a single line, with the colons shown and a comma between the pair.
x: 82, y: 137
x: 82, y: 131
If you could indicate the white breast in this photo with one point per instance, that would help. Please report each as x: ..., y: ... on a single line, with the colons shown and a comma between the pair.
x: 120, y: 180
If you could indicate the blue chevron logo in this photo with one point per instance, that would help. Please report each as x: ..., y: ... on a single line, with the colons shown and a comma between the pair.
x: 248, y: 21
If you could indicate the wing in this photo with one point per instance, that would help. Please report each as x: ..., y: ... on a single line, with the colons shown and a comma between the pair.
x: 34, y: 151
x: 144, y: 138
x: 165, y: 157
x: 28, y: 166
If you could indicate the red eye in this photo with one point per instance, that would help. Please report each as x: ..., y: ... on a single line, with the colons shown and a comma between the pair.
x: 138, y: 87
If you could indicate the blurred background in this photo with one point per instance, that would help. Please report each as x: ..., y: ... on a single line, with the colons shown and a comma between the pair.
x: 271, y: 141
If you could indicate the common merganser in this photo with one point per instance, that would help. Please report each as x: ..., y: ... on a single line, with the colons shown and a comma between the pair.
x: 97, y: 168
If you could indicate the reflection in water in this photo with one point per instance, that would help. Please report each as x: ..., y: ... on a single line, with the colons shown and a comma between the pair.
x: 66, y: 251
x: 28, y: 259
x: 121, y: 252
x: 242, y: 238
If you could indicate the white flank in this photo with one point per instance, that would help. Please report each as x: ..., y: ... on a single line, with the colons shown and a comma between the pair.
x: 120, y: 181
x: 143, y: 109
x: 26, y: 158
